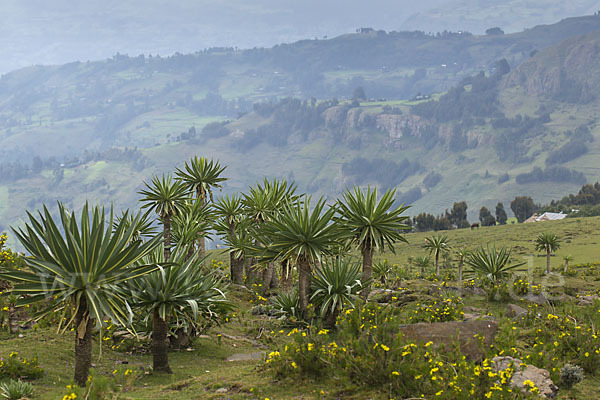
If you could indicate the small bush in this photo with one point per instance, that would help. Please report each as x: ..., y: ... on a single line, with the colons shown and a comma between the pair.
x: 570, y: 375
x: 15, y: 390
x: 287, y: 304
x: 15, y: 367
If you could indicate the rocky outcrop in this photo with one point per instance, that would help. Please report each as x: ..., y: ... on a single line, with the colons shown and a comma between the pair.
x: 524, y: 374
x: 399, y: 126
x: 473, y: 336
x: 569, y: 71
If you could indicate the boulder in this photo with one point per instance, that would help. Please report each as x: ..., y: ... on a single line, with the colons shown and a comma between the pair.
x: 469, y: 334
x: 538, y: 299
x: 259, y: 355
x: 476, y: 316
x: 587, y: 300
x: 515, y: 312
x: 392, y: 296
x: 540, y: 377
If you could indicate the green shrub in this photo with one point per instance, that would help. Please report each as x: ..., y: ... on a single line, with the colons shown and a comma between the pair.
x: 335, y: 285
x: 15, y: 390
x: 287, y: 303
x: 570, y: 375
x: 15, y: 367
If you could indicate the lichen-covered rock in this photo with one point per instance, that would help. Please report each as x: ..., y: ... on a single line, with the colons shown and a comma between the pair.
x: 524, y: 375
x: 515, y: 312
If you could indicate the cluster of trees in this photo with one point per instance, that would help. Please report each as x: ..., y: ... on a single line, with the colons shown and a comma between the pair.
x: 586, y: 203
x: 480, y: 101
x: 388, y: 173
x: 455, y: 218
x: 510, y: 142
x: 288, y: 117
x: 555, y: 173
x: 576, y: 147
x: 133, y: 270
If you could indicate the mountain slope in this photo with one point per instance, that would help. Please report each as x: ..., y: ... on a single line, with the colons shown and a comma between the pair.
x: 96, y: 131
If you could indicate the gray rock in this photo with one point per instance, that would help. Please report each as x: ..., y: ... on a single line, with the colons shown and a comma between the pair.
x: 444, y: 333
x: 540, y: 377
x: 222, y: 390
x: 587, y: 300
x: 538, y: 299
x: 260, y: 355
x: 515, y: 312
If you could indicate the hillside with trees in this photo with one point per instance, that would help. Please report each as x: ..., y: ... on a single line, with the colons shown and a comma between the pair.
x: 92, y: 130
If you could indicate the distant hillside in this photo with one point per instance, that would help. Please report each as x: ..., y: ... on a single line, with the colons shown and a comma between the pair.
x: 510, y: 15
x: 97, y: 130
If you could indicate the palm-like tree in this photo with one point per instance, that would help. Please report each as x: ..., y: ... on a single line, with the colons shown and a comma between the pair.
x: 175, y: 295
x: 201, y: 176
x: 302, y: 236
x: 336, y: 283
x: 549, y: 243
x: 191, y: 223
x: 371, y: 224
x: 491, y: 264
x: 422, y: 263
x: 461, y: 254
x: 437, y: 244
x: 79, y: 271
x: 229, y: 210
x: 261, y: 204
x: 567, y: 259
x: 167, y: 197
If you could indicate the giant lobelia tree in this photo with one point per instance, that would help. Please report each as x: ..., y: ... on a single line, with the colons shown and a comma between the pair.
x: 168, y: 198
x: 549, y: 243
x: 201, y: 176
x: 371, y: 223
x: 177, y: 295
x: 303, y: 235
x: 76, y: 267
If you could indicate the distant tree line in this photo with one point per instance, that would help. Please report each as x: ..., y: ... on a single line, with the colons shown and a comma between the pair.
x: 557, y: 174
x: 586, y: 203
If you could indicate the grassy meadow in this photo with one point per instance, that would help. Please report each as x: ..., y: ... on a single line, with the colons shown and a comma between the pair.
x: 201, y: 371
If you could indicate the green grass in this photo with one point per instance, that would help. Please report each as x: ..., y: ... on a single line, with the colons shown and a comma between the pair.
x: 580, y: 238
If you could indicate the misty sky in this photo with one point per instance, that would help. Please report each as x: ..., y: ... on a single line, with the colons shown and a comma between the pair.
x: 60, y: 31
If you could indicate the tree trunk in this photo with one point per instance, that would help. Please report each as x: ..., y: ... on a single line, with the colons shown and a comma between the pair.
x: 274, y: 279
x: 201, y: 241
x: 367, y: 254
x: 548, y: 261
x: 566, y: 266
x: 13, y: 323
x: 251, y: 271
x: 304, y: 273
x: 167, y: 237
x: 437, y: 263
x: 83, y: 343
x: 460, y: 270
x: 286, y: 274
x: 267, y: 277
x: 160, y: 344
x: 332, y: 318
x: 237, y: 269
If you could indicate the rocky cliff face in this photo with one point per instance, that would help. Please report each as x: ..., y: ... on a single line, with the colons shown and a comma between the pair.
x: 399, y: 126
x: 569, y: 71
